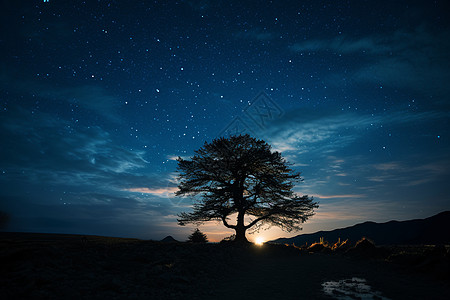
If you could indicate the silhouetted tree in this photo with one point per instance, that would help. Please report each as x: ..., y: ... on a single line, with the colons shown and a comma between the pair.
x: 242, y: 175
x: 197, y: 237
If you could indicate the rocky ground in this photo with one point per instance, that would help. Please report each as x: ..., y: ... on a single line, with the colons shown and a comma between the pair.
x: 45, y: 266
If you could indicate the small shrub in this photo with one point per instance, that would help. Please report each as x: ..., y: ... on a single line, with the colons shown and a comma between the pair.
x: 367, y: 249
x: 316, y: 247
x: 197, y: 237
x: 341, y: 246
x: 228, y: 239
x: 364, y: 243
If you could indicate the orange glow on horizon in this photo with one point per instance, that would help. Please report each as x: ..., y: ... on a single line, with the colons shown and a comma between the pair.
x: 259, y: 241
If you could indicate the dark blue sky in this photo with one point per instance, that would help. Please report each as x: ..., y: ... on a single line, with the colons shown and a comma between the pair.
x: 97, y: 98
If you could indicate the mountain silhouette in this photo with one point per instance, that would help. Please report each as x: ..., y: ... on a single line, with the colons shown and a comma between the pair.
x: 169, y: 239
x: 432, y: 230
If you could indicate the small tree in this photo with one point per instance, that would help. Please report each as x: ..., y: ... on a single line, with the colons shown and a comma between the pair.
x: 241, y: 176
x: 197, y: 237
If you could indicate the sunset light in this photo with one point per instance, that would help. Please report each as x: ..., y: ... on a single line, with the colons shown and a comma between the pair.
x: 259, y: 241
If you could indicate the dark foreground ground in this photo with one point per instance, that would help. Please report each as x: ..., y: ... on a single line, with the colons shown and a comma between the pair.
x: 47, y: 266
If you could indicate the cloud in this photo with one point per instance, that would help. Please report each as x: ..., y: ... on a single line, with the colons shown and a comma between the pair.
x: 343, y: 45
x: 199, y: 5
x: 293, y: 133
x: 303, y: 131
x: 61, y: 177
x: 254, y: 34
x: 334, y: 145
x: 354, y: 209
x: 400, y: 42
x: 57, y: 176
x: 91, y: 98
x: 175, y: 157
x: 91, y: 213
x: 416, y: 59
x: 44, y: 148
x: 160, y: 192
x: 358, y: 196
x: 387, y: 166
x: 400, y: 173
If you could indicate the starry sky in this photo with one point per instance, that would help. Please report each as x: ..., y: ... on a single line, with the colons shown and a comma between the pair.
x: 98, y: 98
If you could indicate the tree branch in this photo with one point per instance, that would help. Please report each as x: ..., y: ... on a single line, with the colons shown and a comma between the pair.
x: 257, y: 220
x: 225, y: 223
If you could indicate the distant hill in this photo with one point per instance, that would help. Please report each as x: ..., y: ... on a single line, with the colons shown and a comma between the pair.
x: 432, y: 230
x: 169, y: 239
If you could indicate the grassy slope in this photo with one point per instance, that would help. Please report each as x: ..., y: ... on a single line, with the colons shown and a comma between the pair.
x: 71, y: 267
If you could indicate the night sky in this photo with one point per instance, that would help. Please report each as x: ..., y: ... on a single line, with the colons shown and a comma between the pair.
x: 98, y: 98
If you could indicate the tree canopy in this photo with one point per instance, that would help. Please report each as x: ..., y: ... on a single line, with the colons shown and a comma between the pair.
x: 242, y: 176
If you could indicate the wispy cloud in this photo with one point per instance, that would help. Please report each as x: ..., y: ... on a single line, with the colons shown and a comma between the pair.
x: 88, y: 97
x: 175, y: 157
x: 166, y: 192
x: 47, y: 149
x: 293, y: 133
x: 400, y: 172
x: 416, y: 59
x: 255, y: 34
x: 358, y: 196
x: 358, y: 209
x: 302, y: 131
x: 78, y: 179
x: 387, y: 166
x: 91, y: 213
x: 374, y: 45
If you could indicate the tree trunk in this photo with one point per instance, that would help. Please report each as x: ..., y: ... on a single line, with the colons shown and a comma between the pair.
x: 240, y: 235
x: 240, y: 229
